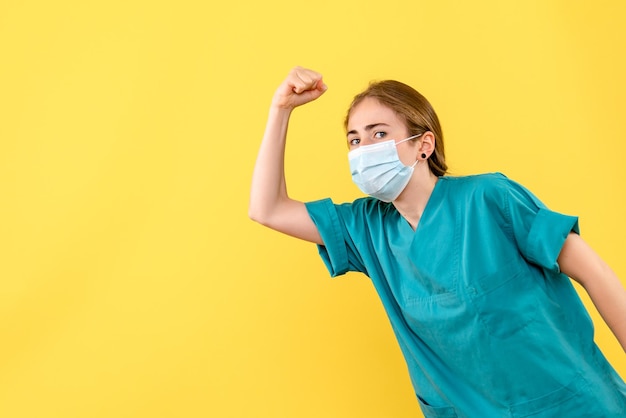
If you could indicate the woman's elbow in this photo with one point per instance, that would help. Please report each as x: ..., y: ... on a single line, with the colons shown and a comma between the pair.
x: 255, y: 214
x: 260, y: 214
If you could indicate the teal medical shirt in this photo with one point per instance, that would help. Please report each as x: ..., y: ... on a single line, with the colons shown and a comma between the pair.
x: 487, y: 323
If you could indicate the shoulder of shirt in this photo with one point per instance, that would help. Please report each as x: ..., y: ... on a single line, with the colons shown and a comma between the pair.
x: 370, y: 204
x: 487, y: 187
x: 477, y: 181
x: 368, y: 208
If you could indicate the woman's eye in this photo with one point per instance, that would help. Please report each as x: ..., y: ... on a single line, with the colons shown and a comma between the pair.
x: 380, y: 135
x: 354, y: 141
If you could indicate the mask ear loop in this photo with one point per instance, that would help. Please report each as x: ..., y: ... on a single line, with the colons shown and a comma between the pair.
x: 407, y: 139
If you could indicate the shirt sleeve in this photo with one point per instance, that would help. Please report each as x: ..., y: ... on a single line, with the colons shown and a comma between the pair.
x: 539, y: 232
x: 339, y: 252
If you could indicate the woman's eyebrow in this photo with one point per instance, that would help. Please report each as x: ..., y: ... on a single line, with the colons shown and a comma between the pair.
x: 368, y: 127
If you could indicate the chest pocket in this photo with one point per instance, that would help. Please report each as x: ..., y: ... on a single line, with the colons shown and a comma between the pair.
x: 504, y: 299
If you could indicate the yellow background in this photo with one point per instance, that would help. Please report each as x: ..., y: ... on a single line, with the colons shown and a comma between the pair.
x: 132, y: 283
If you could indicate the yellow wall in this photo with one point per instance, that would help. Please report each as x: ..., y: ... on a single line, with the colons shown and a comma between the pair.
x: 132, y: 283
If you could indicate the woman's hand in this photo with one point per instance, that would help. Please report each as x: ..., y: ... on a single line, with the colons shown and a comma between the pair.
x: 301, y: 86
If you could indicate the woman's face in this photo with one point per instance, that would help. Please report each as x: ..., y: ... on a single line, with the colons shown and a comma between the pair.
x: 371, y: 122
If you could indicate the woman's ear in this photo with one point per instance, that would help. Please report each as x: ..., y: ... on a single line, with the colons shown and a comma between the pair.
x: 427, y: 144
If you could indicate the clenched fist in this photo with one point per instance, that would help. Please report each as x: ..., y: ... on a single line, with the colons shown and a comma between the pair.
x: 301, y: 86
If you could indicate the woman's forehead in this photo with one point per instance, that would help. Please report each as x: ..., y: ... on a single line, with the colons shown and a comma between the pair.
x: 370, y: 111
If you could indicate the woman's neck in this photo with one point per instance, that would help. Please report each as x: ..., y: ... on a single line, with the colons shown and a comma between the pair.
x: 414, y: 198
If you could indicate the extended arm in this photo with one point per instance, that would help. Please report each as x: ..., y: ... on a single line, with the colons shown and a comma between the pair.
x: 270, y: 204
x: 581, y: 263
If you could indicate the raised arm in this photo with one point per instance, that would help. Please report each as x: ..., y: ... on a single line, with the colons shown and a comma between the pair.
x: 581, y: 263
x: 270, y: 205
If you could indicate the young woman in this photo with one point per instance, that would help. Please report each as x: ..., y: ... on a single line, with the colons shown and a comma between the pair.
x: 472, y: 271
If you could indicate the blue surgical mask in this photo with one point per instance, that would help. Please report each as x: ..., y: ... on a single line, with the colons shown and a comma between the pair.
x: 377, y: 169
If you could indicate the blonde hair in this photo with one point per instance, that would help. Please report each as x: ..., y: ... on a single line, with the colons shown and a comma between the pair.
x: 417, y: 112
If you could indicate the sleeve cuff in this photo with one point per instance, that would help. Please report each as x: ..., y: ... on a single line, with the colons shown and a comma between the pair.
x: 333, y: 252
x: 547, y: 237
